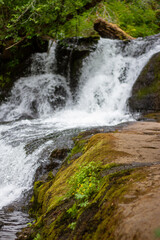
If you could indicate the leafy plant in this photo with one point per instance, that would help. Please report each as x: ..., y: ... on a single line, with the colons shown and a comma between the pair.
x: 73, y: 211
x: 85, y: 183
x: 66, y: 18
x: 72, y: 225
x: 38, y: 237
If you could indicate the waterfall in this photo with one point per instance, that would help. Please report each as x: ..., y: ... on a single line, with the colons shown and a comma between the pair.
x: 41, y: 112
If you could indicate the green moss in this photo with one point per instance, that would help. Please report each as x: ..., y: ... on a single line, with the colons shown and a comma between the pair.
x: 50, y: 176
x: 78, y: 148
x: 100, y: 148
x: 153, y: 88
x: 39, y: 223
x: 40, y: 188
x: 4, y: 79
x: 155, y: 116
x: 110, y: 195
x: 60, y: 215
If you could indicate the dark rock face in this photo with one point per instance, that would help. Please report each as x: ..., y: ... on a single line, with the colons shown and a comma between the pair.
x: 14, y: 62
x: 146, y: 90
x: 1, y: 224
x: 110, y: 30
x: 55, y: 160
x: 70, y: 54
x: 59, y: 154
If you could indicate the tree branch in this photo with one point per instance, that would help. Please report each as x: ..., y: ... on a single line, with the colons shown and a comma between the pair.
x: 15, y: 43
x: 24, y: 12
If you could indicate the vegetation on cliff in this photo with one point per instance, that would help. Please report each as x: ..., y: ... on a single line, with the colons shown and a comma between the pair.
x: 65, y: 18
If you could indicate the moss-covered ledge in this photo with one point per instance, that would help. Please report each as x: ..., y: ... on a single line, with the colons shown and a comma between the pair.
x: 81, y: 201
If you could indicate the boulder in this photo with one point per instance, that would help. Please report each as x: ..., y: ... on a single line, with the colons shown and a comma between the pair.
x: 146, y: 90
x: 110, y: 30
x: 60, y: 154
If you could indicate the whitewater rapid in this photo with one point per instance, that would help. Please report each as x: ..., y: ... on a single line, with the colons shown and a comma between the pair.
x: 41, y: 111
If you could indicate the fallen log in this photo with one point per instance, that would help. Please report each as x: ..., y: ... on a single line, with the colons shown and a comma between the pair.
x: 110, y: 30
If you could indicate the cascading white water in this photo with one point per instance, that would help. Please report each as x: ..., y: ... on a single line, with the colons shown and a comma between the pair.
x: 44, y: 97
x: 108, y: 75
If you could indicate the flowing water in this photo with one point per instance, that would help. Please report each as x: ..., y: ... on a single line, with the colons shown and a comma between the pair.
x: 40, y: 115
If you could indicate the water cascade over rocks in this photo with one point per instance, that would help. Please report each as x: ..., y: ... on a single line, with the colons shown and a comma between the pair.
x: 41, y: 114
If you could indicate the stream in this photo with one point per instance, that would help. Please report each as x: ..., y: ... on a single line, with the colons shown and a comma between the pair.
x: 41, y: 115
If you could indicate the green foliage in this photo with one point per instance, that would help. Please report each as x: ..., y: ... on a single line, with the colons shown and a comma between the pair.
x: 38, y: 237
x: 73, y: 211
x: 85, y: 183
x: 4, y: 79
x: 37, y: 17
x: 72, y: 226
x: 31, y: 223
x: 136, y: 17
x: 67, y: 18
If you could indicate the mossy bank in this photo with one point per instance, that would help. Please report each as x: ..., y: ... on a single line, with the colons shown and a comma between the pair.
x: 82, y: 200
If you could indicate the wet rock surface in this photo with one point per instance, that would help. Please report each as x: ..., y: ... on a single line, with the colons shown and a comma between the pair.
x: 12, y: 223
x: 146, y: 90
x: 140, y: 209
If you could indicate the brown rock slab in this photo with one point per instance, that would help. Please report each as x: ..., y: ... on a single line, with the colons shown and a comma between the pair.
x: 141, y: 216
x: 140, y: 208
x: 141, y: 141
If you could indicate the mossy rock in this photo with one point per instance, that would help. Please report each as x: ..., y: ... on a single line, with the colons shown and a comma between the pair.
x: 96, y: 221
x: 152, y: 117
x: 146, y: 90
x: 98, y: 218
x: 59, y: 154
